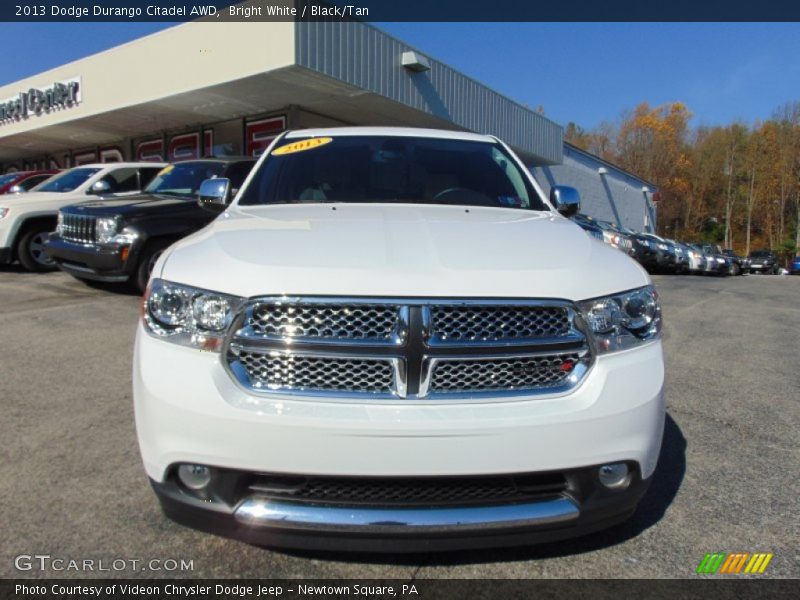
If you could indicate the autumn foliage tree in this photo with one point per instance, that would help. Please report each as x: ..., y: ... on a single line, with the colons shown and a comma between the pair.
x: 738, y: 185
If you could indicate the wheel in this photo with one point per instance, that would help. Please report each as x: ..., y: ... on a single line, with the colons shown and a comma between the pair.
x: 150, y: 255
x: 30, y: 249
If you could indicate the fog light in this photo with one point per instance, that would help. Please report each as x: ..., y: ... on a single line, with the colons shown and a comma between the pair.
x: 614, y: 476
x: 194, y: 477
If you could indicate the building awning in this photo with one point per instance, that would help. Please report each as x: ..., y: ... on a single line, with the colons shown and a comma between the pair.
x: 199, y: 73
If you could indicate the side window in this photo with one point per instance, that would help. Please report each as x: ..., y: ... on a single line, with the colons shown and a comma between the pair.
x: 123, y: 180
x: 147, y: 174
x: 33, y: 181
x: 237, y: 173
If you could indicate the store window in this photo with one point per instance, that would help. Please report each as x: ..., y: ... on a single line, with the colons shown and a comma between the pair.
x: 259, y: 134
x: 149, y: 150
x: 224, y: 139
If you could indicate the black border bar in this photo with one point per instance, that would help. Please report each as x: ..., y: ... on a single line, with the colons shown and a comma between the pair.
x: 401, y: 10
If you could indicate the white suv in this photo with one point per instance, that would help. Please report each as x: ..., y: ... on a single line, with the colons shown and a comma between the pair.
x: 26, y: 220
x: 391, y: 340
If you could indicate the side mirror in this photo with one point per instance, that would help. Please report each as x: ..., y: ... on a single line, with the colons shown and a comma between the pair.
x: 16, y: 189
x: 100, y: 187
x: 214, y: 194
x: 565, y: 199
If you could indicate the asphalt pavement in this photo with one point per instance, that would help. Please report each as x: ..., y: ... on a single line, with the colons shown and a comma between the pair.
x: 73, y: 487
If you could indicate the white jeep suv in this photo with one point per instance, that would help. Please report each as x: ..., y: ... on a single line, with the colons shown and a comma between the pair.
x: 391, y: 340
x: 26, y: 220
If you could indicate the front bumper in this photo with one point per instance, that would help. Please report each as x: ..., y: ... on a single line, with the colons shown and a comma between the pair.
x: 645, y: 256
x: 94, y: 262
x: 761, y: 268
x: 193, y: 412
x: 586, y: 507
x: 665, y: 260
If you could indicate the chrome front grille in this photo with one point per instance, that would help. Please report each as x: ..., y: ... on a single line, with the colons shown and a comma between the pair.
x: 276, y: 371
x: 324, y: 322
x: 497, y: 323
x: 499, y: 374
x: 77, y: 228
x: 407, y: 348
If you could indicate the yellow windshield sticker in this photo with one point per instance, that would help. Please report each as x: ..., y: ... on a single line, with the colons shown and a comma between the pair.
x: 165, y: 170
x: 301, y: 146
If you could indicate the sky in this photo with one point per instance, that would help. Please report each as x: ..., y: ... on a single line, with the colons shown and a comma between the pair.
x: 581, y: 72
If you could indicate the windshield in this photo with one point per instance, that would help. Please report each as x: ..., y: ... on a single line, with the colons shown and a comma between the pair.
x: 67, y: 181
x: 391, y: 170
x: 8, y: 178
x: 760, y: 253
x: 184, y: 179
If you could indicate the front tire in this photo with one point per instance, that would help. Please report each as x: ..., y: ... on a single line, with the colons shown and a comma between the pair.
x: 148, y: 260
x: 30, y: 250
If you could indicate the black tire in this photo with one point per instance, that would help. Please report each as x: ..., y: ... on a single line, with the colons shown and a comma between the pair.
x: 147, y: 261
x: 30, y: 249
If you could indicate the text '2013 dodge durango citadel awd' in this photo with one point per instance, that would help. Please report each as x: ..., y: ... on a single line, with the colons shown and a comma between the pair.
x: 391, y: 340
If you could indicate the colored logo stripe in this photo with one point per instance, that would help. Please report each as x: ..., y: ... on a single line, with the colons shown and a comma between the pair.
x: 759, y: 562
x: 735, y: 562
x: 711, y: 563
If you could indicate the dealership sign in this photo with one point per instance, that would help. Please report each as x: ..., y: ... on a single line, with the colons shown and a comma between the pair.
x: 37, y: 101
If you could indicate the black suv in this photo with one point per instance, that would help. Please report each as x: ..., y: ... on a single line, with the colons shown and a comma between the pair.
x: 763, y: 261
x: 739, y: 264
x: 120, y: 239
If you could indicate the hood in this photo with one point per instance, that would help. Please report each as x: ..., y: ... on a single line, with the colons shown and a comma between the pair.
x: 37, y: 198
x: 398, y: 250
x: 131, y: 206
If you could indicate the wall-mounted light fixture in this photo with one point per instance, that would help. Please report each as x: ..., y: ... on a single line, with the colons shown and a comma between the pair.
x: 646, y: 189
x: 602, y: 171
x: 415, y: 62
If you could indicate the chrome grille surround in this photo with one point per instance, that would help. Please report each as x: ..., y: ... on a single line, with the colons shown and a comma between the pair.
x: 392, y: 349
x: 78, y: 228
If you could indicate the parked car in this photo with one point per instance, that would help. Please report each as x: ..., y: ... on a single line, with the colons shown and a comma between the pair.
x: 118, y: 239
x: 666, y: 256
x: 698, y: 261
x: 331, y: 363
x: 794, y: 267
x: 716, y: 262
x: 643, y: 249
x: 27, y: 220
x: 739, y: 264
x: 23, y: 181
x: 606, y: 232
x: 763, y: 261
x: 681, y: 250
x: 589, y: 226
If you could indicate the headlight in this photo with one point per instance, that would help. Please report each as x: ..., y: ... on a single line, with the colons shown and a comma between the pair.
x: 3, y: 212
x: 188, y: 316
x: 663, y: 247
x: 105, y: 229
x: 623, y: 320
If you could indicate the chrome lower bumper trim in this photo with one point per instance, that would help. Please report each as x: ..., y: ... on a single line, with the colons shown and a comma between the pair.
x: 263, y: 512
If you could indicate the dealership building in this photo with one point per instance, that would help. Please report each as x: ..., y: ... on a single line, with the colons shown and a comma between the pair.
x: 203, y: 89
